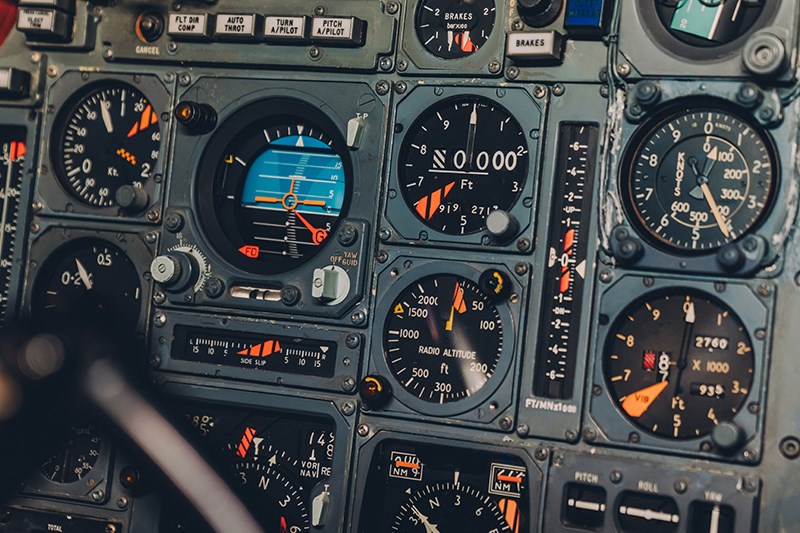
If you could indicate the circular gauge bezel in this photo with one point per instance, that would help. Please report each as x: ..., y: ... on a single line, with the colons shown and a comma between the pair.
x: 418, y: 14
x: 678, y: 292
x: 646, y: 131
x: 59, y: 130
x: 504, y: 363
x: 55, y: 242
x: 276, y: 111
x: 695, y: 48
x: 415, y: 129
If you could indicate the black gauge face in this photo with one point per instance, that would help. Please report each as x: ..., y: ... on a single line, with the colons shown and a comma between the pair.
x: 415, y: 487
x: 109, y: 137
x: 699, y: 179
x: 12, y: 157
x: 678, y: 363
x: 278, y: 504
x: 443, y: 338
x: 76, y: 459
x: 461, y: 160
x: 449, y: 507
x: 452, y: 29
x: 89, y: 278
x: 707, y: 23
x: 279, y: 187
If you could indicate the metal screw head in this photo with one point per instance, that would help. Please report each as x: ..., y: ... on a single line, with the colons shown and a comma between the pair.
x: 623, y: 69
x: 633, y: 437
x: 153, y: 215
x: 159, y: 319
x: 290, y: 295
x: 402, y: 65
x: 363, y: 430
x: 604, y: 91
x: 606, y: 276
x: 400, y: 87
x: 571, y: 435
x: 35, y: 227
x: 680, y: 486
x: 765, y: 289
x: 523, y: 244
x: 37, y: 206
x: 761, y: 334
x: 385, y: 63
x: 750, y: 484
x: 382, y: 87
x: 36, y: 57
x: 523, y: 430
x: 494, y: 66
x: 558, y: 89
x: 521, y: 268
x: 392, y: 8
x: 319, y: 11
x: 512, y: 73
x: 108, y: 53
x: 348, y: 384
x: 358, y: 318
x: 385, y: 234
x: 122, y: 502
x: 540, y: 91
x: 98, y: 495
x: 541, y: 454
x: 159, y: 298
x: 348, y: 408
x: 214, y: 287
x: 314, y: 52
x: 589, y: 435
x: 172, y: 47
x: 184, y: 79
x: 382, y: 256
x: 615, y: 476
x: 506, y: 423
x: 597, y: 390
x: 347, y: 235
x: 155, y: 361
x: 352, y: 340
x: 516, y: 25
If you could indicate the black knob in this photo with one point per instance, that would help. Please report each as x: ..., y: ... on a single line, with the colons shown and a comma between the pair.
x: 534, y: 6
x: 727, y: 436
x: 539, y: 13
x: 195, y: 117
x: 131, y: 199
x: 375, y: 391
x: 149, y: 26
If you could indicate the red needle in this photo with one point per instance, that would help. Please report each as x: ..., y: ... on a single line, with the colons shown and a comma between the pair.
x: 284, y: 527
x: 318, y: 234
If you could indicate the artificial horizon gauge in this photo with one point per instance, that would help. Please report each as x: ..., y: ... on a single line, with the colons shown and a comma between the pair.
x: 453, y: 29
x: 462, y: 159
x: 77, y: 457
x: 108, y: 136
x: 274, y: 182
x: 678, y: 362
x: 443, y: 338
x: 12, y: 158
x: 88, y: 279
x: 708, y: 23
x: 697, y: 177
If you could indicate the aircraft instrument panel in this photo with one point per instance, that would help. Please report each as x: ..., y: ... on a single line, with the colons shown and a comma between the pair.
x: 417, y: 266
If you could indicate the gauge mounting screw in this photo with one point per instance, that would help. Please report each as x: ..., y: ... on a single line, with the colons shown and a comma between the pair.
x: 352, y: 340
x: 363, y: 430
x: 214, y: 287
x: 98, y: 495
x: 506, y: 423
x: 383, y: 86
x: 385, y: 63
x: 589, y: 435
x: 173, y: 222
x: 197, y: 118
x: 159, y: 320
x: 122, y: 502
x: 290, y: 295
x: 680, y: 486
x: 615, y: 476
x: 400, y: 87
x: 541, y: 454
x: 495, y: 66
x: 512, y: 73
x: 159, y: 298
x: 749, y: 95
x: 647, y: 93
x: 523, y: 430
x: 358, y: 318
x: 521, y: 268
x: 347, y: 235
x: 348, y: 408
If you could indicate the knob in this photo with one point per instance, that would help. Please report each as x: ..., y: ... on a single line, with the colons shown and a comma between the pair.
x: 502, y: 225
x: 319, y: 508
x: 375, y: 391
x: 149, y: 26
x: 727, y: 436
x: 539, y: 13
x: 196, y: 117
x: 176, y: 272
x: 131, y: 199
x: 330, y: 285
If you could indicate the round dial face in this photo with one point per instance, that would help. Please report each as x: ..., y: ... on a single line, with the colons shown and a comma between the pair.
x: 109, y: 137
x: 443, y: 338
x: 279, y: 187
x: 461, y: 160
x: 76, y: 459
x: 699, y: 179
x: 278, y: 503
x: 449, y: 507
x: 708, y: 23
x: 452, y: 29
x: 92, y: 279
x: 678, y: 363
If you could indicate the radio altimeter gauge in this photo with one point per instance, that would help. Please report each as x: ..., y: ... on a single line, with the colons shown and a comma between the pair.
x: 88, y: 279
x: 107, y: 137
x: 443, y: 338
x: 697, y: 178
x: 461, y: 160
x: 274, y: 182
x: 453, y: 29
x: 678, y: 363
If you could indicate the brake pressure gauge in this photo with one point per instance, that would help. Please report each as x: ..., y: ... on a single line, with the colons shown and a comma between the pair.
x: 452, y: 29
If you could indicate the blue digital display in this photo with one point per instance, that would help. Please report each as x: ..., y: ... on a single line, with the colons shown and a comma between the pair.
x: 586, y: 16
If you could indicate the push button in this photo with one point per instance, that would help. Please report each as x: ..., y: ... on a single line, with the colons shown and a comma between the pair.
x: 44, y: 24
x: 188, y: 26
x: 236, y: 27
x: 62, y: 5
x: 338, y: 31
x: 541, y: 47
x: 286, y: 29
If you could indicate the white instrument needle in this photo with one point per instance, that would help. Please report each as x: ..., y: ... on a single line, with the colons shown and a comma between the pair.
x: 84, y: 275
x: 104, y: 105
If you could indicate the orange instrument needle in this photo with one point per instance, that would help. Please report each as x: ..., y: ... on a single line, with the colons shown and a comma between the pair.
x: 640, y: 401
x: 318, y: 234
x: 267, y: 199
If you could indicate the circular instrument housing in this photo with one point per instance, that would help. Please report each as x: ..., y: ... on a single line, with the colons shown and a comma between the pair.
x: 454, y: 29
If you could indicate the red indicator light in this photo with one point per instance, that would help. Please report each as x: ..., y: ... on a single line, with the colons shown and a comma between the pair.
x: 249, y: 251
x: 649, y: 361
